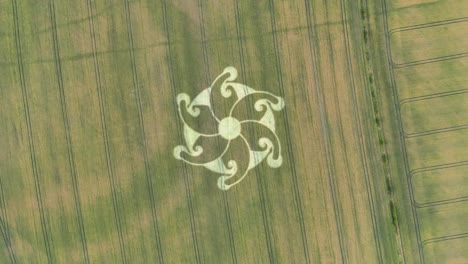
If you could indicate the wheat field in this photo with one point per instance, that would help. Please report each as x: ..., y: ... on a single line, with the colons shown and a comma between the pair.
x: 91, y: 100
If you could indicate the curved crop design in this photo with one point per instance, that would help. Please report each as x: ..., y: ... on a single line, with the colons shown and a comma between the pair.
x: 219, y: 116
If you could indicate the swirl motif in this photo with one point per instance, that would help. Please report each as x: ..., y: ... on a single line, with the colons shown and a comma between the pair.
x: 229, y: 128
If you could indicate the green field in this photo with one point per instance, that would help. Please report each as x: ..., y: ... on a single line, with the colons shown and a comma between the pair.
x: 431, y: 78
x: 425, y: 67
x: 428, y: 42
x: 440, y: 185
x: 91, y: 100
x: 434, y: 114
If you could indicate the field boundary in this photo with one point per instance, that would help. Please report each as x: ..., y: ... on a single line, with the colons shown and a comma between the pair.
x: 403, y: 135
x: 396, y: 103
x: 362, y: 150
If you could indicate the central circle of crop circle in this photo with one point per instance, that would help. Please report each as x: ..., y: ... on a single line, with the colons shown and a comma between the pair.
x: 229, y: 128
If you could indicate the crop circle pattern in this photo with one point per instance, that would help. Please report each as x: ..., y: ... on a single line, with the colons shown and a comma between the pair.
x: 230, y: 129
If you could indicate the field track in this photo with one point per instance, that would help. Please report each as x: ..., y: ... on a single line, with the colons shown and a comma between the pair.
x: 29, y: 130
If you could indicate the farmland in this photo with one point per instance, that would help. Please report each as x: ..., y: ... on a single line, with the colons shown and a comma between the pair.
x: 425, y: 53
x: 90, y: 115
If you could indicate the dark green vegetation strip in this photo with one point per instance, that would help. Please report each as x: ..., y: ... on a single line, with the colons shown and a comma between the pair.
x: 378, y: 116
x: 361, y: 146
